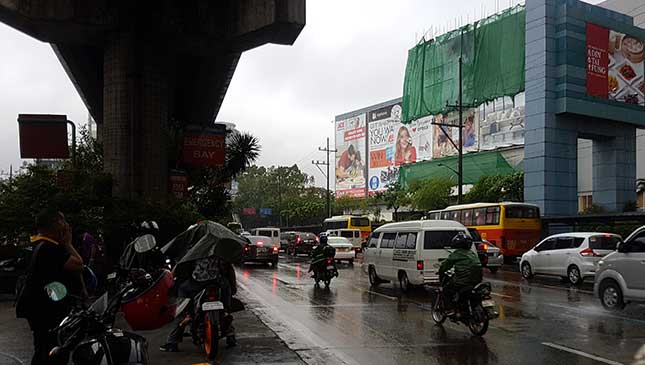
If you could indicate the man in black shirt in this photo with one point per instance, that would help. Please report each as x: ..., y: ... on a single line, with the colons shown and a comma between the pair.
x: 54, y: 260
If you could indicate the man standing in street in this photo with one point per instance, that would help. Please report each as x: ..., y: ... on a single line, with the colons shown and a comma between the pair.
x: 54, y: 260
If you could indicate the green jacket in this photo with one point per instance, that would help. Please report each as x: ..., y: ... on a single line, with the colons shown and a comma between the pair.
x: 468, y: 269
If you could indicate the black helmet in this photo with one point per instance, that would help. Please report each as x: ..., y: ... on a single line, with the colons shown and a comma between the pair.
x: 461, y: 241
x: 323, y: 240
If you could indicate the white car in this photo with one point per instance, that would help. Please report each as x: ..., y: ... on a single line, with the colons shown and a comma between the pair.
x: 344, y: 248
x: 573, y: 256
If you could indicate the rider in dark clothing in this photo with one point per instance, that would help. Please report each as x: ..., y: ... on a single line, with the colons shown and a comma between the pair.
x: 468, y: 269
x: 320, y: 254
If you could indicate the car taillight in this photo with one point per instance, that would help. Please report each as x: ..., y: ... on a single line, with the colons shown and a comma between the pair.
x: 317, y: 239
x: 482, y: 247
x: 298, y: 240
x: 212, y: 294
x: 420, y: 265
x: 275, y: 249
x: 247, y: 248
x: 259, y: 243
x: 329, y: 261
x: 588, y: 252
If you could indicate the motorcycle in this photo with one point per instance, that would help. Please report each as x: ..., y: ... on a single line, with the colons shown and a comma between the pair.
x: 475, y: 310
x: 325, y: 272
x: 89, y: 335
x: 149, y: 307
x: 210, y: 323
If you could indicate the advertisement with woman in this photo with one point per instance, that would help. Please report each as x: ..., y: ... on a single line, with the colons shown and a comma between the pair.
x: 392, y: 144
x: 349, y: 165
x: 442, y: 146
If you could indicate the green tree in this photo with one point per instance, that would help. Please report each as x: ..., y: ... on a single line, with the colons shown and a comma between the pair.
x: 394, y: 198
x: 286, y: 190
x: 431, y: 194
x: 496, y: 188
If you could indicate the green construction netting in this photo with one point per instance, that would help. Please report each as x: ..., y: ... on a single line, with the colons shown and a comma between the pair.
x: 492, y: 51
x: 476, y: 165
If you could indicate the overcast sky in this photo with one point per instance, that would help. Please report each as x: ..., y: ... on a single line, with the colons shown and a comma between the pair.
x: 351, y: 54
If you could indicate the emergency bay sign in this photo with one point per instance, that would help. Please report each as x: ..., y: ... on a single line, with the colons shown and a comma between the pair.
x: 205, y: 148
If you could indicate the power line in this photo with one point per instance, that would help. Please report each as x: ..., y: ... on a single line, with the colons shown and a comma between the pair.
x: 328, y: 151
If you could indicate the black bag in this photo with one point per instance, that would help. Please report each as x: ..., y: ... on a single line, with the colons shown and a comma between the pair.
x: 24, y: 304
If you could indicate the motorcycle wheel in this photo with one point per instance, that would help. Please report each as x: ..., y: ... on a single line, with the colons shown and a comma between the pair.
x: 438, y: 314
x: 211, y: 335
x: 478, y: 324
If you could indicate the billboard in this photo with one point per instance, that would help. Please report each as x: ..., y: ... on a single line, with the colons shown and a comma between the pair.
x: 392, y: 144
x: 502, y: 123
x: 442, y: 146
x: 43, y: 136
x: 615, y: 67
x: 350, y: 156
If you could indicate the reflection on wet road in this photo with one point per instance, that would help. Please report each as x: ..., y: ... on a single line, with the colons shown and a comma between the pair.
x: 542, y: 322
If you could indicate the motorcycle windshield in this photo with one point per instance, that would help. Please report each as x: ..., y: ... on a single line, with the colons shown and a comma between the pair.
x: 100, y: 305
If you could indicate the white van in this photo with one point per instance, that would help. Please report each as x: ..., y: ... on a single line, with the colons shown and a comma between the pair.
x: 274, y: 233
x: 353, y: 235
x: 410, y: 252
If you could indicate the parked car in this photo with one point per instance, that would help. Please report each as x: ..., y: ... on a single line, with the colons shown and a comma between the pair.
x: 344, y: 249
x: 490, y: 255
x: 572, y: 256
x: 410, y: 252
x: 353, y: 235
x: 620, y: 278
x: 295, y: 243
x: 273, y: 233
x: 260, y: 249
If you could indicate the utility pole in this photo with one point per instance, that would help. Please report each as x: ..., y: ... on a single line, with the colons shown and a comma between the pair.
x: 459, y: 147
x: 327, y: 175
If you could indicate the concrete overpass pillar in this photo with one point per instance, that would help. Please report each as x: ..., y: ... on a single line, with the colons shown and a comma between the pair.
x: 614, y: 176
x: 135, y: 116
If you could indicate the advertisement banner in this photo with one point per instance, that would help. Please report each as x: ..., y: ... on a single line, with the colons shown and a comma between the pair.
x: 248, y: 211
x: 615, y: 67
x: 350, y: 154
x: 178, y: 184
x: 502, y: 123
x: 392, y: 144
x: 442, y: 146
x: 43, y: 136
x: 204, y: 149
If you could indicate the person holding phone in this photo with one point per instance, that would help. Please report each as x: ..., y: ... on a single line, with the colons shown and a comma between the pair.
x: 405, y: 151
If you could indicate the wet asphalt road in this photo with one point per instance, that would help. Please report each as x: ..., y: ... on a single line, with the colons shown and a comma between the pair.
x: 542, y: 322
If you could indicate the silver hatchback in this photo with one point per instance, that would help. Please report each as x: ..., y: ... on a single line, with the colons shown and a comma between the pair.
x: 620, y: 277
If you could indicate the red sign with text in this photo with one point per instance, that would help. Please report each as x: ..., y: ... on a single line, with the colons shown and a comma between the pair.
x: 379, y: 159
x: 597, y: 61
x: 204, y: 149
x: 178, y: 185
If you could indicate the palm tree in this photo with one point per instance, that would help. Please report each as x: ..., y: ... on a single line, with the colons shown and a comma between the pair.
x: 242, y: 149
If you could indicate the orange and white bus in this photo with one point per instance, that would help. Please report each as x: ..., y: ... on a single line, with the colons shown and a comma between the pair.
x: 513, y: 227
x: 361, y: 223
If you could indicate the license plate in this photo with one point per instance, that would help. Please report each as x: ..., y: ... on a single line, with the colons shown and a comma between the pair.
x: 262, y: 249
x: 330, y: 267
x: 212, y: 306
x: 111, y: 276
x: 488, y: 303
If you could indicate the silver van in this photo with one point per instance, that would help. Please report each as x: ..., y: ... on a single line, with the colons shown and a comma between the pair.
x: 620, y: 277
x: 410, y: 252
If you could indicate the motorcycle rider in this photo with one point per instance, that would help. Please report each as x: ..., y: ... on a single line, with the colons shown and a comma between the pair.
x: 320, y: 254
x: 468, y: 271
x: 205, y: 272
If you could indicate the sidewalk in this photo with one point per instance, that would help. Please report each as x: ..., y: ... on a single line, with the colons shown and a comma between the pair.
x: 257, y: 344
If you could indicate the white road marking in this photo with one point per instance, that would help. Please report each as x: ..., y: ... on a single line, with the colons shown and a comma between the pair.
x: 582, y: 353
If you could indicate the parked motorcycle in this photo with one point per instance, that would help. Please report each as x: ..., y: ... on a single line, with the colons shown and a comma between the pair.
x: 88, y: 333
x: 210, y: 323
x: 475, y: 310
x: 325, y: 272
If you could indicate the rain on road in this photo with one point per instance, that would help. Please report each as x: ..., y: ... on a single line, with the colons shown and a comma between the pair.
x: 541, y: 322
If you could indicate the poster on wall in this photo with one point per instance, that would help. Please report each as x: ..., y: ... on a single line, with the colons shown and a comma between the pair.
x: 502, y: 123
x: 350, y: 151
x: 615, y: 67
x: 392, y: 144
x: 442, y: 134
